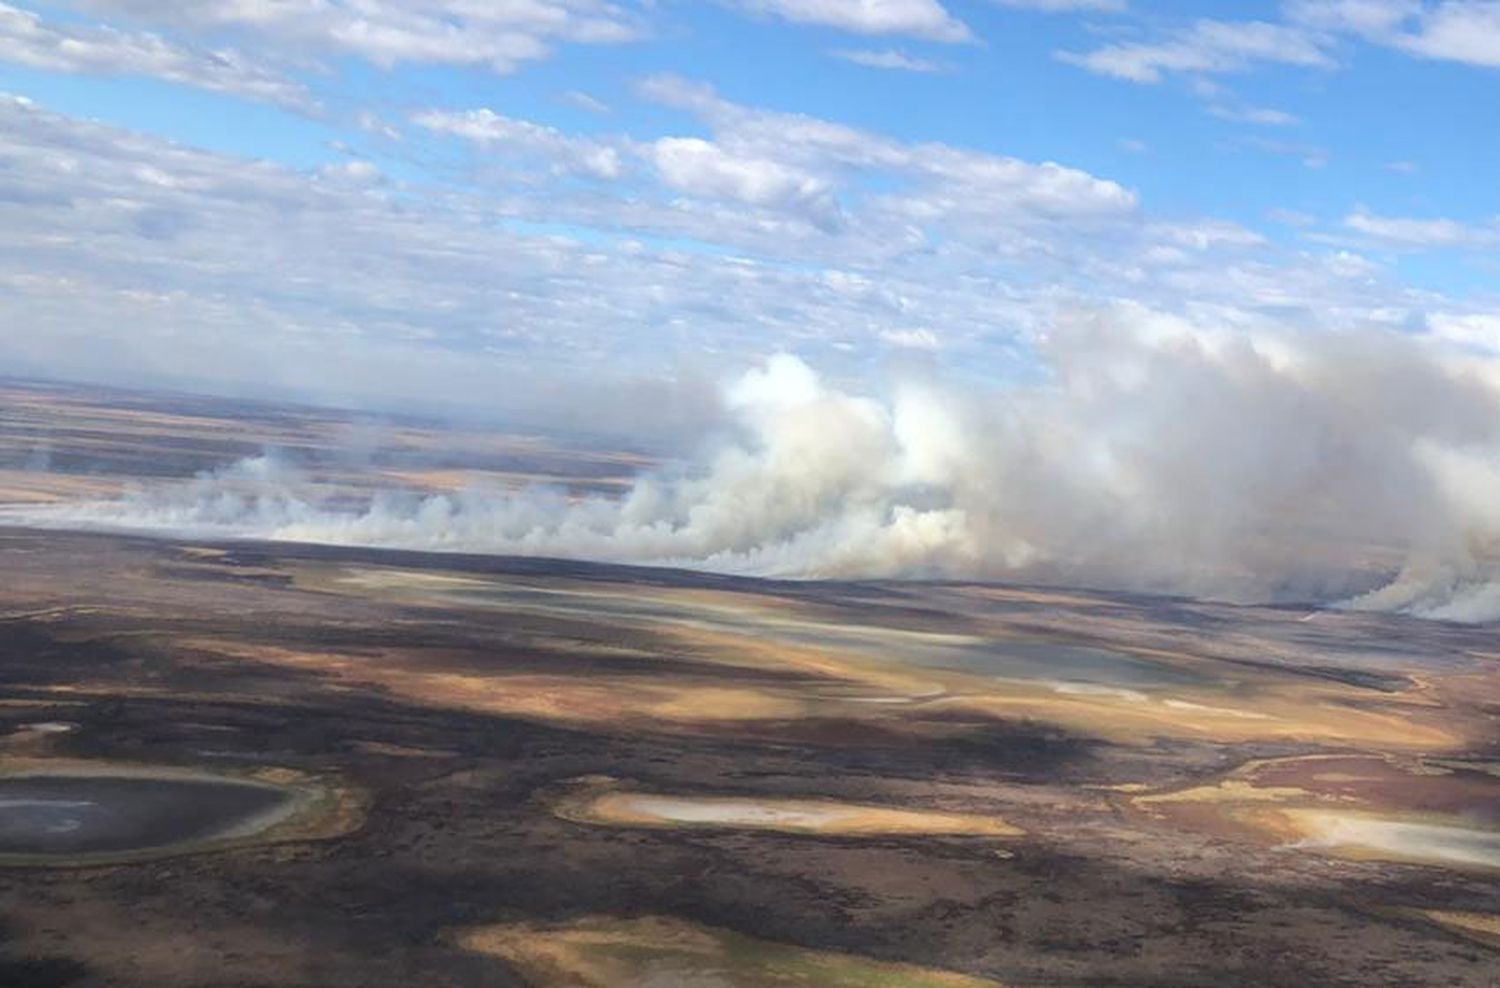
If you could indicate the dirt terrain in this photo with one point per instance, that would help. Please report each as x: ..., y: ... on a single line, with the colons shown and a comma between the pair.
x: 60, y: 442
x: 487, y: 710
x: 448, y: 770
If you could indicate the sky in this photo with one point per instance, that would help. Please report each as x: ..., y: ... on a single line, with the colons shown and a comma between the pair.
x: 468, y: 203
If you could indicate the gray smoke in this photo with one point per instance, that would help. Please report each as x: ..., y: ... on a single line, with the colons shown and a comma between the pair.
x: 1243, y: 466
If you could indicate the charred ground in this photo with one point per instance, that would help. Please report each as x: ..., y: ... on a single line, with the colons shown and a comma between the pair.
x: 270, y: 661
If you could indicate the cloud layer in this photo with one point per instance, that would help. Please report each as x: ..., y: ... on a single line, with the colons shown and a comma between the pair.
x: 497, y: 36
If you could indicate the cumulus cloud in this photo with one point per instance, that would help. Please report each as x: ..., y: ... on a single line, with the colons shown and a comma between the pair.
x: 159, y: 264
x: 1154, y: 455
x: 704, y: 168
x: 950, y: 183
x: 792, y: 187
x: 154, y: 263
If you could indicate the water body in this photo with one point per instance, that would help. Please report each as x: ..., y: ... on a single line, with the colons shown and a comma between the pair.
x: 1034, y: 660
x: 68, y: 816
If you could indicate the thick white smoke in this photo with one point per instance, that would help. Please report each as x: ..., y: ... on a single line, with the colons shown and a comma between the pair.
x: 1239, y: 466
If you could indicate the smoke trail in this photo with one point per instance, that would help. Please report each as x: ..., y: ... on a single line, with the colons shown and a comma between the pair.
x: 1238, y: 466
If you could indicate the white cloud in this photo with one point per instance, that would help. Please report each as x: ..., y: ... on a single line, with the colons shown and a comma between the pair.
x: 703, y: 168
x: 942, y: 183
x: 124, y: 255
x: 783, y: 186
x: 1224, y: 104
x: 912, y: 18
x: 584, y: 101
x: 1065, y: 6
x: 485, y: 126
x: 1465, y: 31
x: 1262, y: 116
x: 912, y: 339
x: 1476, y: 329
x: 25, y: 39
x: 1401, y: 231
x: 152, y: 262
x: 1207, y: 46
x: 149, y: 262
x: 371, y: 123
x: 1458, y: 31
x: 353, y: 171
x: 1207, y: 234
x: 1311, y: 155
x: 887, y: 58
x: 1291, y: 217
x: 1313, y: 35
x: 498, y: 36
x: 1347, y: 264
x: 1362, y: 17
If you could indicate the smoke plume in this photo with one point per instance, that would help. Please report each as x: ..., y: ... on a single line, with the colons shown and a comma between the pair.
x: 1357, y: 468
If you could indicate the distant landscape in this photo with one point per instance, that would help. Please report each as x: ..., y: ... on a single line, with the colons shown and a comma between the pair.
x: 749, y: 494
x: 539, y: 772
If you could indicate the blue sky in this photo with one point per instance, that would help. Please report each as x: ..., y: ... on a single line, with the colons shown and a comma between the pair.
x: 437, y: 198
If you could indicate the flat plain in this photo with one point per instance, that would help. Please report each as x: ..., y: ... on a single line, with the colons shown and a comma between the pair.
x: 398, y: 768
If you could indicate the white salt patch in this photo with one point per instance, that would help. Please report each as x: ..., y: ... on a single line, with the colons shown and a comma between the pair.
x: 731, y: 812
x: 1094, y: 689
x: 1436, y: 843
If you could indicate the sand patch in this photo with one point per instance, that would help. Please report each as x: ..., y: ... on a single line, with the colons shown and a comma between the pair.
x: 1354, y: 806
x: 385, y: 749
x: 667, y: 953
x: 634, y: 702
x: 615, y: 807
x: 1312, y: 715
x: 1481, y: 927
x: 1228, y: 791
x: 1127, y: 695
